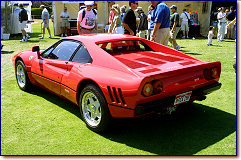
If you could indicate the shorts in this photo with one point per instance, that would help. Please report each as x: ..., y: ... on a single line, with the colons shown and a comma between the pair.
x: 174, y: 34
x: 184, y: 26
x: 46, y: 25
x: 65, y: 23
x: 162, y: 36
x: 23, y: 25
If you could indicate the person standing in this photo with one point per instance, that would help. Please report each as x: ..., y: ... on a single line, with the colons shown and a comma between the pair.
x: 184, y: 26
x: 45, y: 20
x: 230, y: 17
x: 115, y: 26
x: 143, y: 26
x: 221, y: 24
x: 23, y: 18
x: 174, y: 27
x: 150, y: 10
x: 112, y: 13
x: 210, y: 35
x: 160, y: 23
x: 129, y: 20
x: 123, y: 11
x: 86, y: 21
x: 65, y: 22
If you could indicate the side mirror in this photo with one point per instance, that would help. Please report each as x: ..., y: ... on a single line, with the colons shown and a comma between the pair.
x: 36, y: 49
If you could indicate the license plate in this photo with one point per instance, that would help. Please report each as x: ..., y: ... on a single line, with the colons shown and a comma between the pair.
x: 181, y: 98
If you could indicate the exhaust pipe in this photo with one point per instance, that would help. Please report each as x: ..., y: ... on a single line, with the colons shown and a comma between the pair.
x: 201, y: 98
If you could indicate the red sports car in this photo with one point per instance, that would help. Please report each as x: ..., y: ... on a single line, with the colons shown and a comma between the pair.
x: 116, y: 76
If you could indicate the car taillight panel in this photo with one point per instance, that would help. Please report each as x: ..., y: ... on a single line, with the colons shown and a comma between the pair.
x: 151, y: 88
x: 211, y: 73
x: 157, y: 86
x: 147, y: 89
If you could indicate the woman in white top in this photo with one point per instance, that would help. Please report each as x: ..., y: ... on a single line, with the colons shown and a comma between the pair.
x: 115, y: 25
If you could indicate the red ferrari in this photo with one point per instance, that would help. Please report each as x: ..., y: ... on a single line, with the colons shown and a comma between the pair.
x: 116, y: 76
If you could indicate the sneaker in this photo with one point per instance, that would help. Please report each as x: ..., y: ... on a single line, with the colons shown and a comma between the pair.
x: 28, y: 37
x: 66, y: 35
x: 187, y: 37
x: 22, y: 40
x: 178, y: 47
x: 50, y: 37
x: 62, y: 35
x: 183, y: 37
x: 41, y: 37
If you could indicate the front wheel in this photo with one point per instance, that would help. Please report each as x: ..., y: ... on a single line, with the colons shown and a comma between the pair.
x: 22, y: 76
x: 94, y: 109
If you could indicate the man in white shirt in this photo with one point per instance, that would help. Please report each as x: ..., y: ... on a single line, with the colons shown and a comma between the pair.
x: 221, y: 24
x: 86, y: 21
x: 65, y: 22
x: 184, y: 26
x: 45, y: 19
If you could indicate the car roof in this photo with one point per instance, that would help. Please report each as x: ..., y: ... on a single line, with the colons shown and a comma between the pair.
x: 101, y: 37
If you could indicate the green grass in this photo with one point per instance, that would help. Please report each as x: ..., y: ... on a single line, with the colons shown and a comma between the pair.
x: 40, y: 123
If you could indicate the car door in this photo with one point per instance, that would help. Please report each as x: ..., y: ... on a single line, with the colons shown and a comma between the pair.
x: 49, y: 69
x: 76, y: 67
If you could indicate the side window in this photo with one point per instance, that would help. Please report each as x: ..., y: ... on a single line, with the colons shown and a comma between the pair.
x: 63, y: 51
x: 45, y: 53
x: 82, y: 56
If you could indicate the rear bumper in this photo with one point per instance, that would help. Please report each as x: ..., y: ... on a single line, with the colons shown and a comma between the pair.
x: 161, y: 104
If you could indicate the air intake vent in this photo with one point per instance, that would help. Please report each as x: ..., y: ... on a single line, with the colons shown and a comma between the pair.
x: 111, y: 97
x: 116, y: 95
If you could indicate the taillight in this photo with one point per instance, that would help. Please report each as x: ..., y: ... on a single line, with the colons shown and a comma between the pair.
x: 154, y: 87
x: 157, y: 86
x: 147, y: 89
x: 211, y: 73
x: 215, y: 73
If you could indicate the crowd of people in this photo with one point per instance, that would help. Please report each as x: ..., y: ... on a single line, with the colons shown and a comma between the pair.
x: 223, y: 22
x: 161, y: 24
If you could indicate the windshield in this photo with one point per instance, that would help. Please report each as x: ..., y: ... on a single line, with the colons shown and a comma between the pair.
x: 124, y: 47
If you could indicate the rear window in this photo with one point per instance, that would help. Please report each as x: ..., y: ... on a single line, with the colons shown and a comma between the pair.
x: 123, y: 47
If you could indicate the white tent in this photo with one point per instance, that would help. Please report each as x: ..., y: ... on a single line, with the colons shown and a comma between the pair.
x: 14, y: 26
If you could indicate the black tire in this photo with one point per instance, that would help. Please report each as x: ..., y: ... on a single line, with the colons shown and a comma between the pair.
x: 23, y: 79
x: 92, y: 103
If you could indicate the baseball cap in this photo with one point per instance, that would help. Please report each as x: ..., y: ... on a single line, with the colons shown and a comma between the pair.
x: 89, y: 3
x: 139, y: 9
x: 173, y: 6
x: 42, y: 6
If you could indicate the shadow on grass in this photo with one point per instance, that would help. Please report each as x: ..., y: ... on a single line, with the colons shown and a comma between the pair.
x: 187, y: 52
x: 192, y: 128
x: 63, y: 103
x: 7, y: 52
x: 189, y: 132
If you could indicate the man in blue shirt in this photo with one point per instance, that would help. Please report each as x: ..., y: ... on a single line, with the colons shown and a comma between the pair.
x: 160, y: 22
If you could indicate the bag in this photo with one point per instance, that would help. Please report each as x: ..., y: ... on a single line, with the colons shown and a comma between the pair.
x: 143, y: 22
x: 83, y: 14
x: 189, y: 21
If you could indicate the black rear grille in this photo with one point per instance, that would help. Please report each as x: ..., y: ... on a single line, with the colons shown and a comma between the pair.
x: 116, y: 95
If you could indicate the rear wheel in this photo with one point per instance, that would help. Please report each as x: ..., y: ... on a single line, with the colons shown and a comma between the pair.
x: 94, y: 109
x: 22, y: 76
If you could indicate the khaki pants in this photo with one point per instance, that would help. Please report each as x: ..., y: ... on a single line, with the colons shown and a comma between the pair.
x: 162, y: 36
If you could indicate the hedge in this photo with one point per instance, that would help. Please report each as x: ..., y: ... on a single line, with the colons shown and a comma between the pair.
x: 38, y: 11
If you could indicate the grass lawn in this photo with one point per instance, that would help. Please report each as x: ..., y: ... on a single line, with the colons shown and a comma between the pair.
x: 40, y: 123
